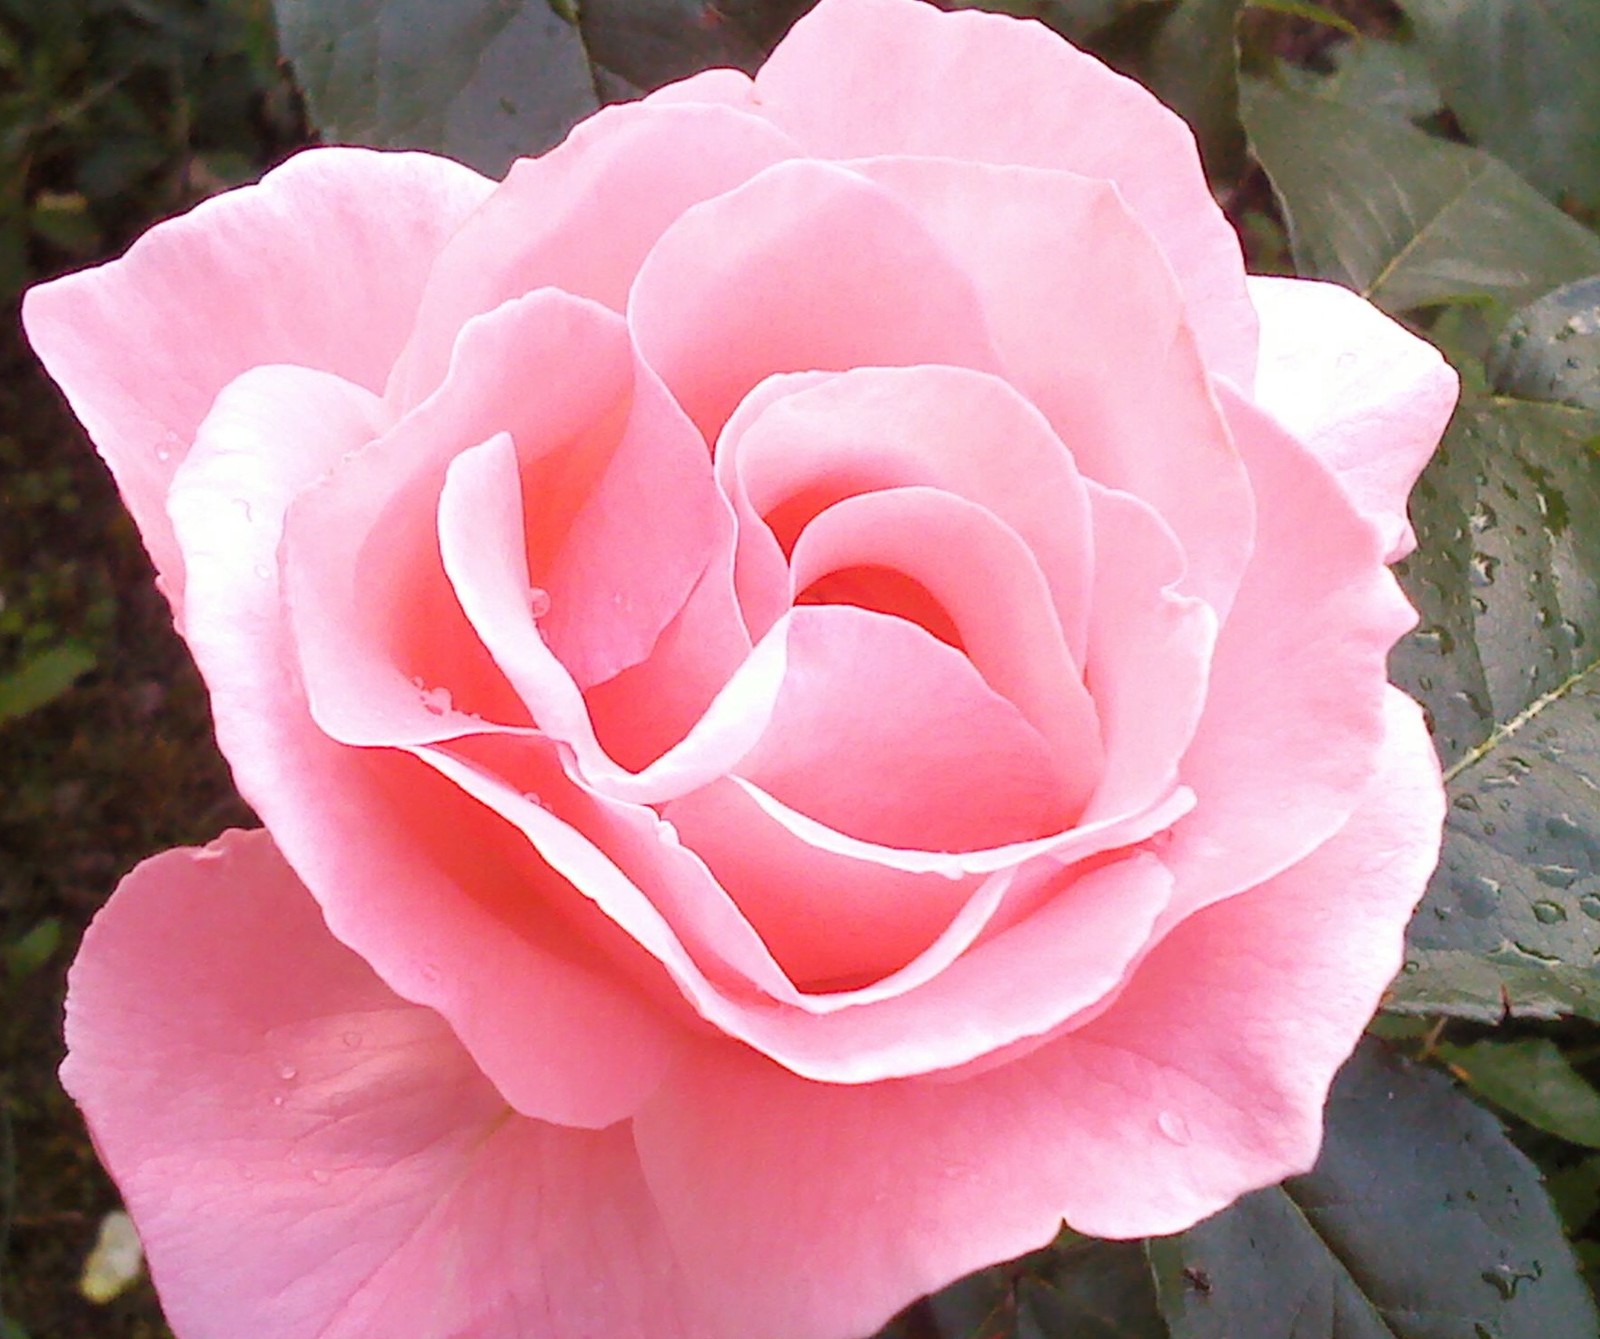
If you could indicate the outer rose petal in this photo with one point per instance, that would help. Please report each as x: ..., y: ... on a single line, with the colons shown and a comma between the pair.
x: 824, y: 1209
x: 1366, y: 395
x: 858, y: 78
x: 389, y: 850
x: 582, y: 217
x: 1106, y: 351
x: 321, y: 264
x: 806, y: 267
x: 311, y: 1157
x: 1293, y: 720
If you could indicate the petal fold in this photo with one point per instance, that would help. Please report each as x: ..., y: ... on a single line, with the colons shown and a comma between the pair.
x: 310, y: 1156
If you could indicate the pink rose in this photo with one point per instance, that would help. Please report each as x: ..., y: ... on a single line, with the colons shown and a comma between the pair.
x: 814, y: 668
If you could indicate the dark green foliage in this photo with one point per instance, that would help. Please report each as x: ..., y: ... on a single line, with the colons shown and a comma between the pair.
x: 1419, y: 1221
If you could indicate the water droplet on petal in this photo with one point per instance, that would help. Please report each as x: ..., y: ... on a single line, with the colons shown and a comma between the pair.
x: 538, y: 601
x: 1171, y: 1124
x: 436, y: 700
x: 245, y: 513
x: 287, y: 1072
x: 1549, y: 913
x: 320, y: 1177
x: 352, y: 1040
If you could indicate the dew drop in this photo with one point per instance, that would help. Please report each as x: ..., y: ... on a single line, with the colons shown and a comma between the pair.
x: 1411, y: 968
x: 1478, y: 897
x: 430, y: 972
x: 287, y: 1072
x: 278, y: 1100
x: 436, y: 700
x: 1171, y: 1124
x: 352, y: 1040
x: 320, y: 1176
x: 245, y: 514
x: 263, y: 572
x: 1481, y: 570
x: 1554, y: 876
x: 538, y: 601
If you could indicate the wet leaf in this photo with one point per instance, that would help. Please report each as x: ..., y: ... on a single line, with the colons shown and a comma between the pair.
x: 1551, y: 349
x: 488, y: 80
x: 1521, y: 78
x: 1420, y: 1220
x: 1403, y: 218
x: 1506, y: 660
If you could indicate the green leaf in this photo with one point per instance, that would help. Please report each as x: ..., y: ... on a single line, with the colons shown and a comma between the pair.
x: 1388, y: 78
x: 1194, y: 67
x: 1095, y: 1290
x: 26, y: 955
x: 1506, y: 660
x: 1575, y: 1191
x: 1551, y: 348
x: 480, y: 80
x: 1532, y: 1080
x: 1306, y: 9
x: 1522, y: 78
x: 1420, y: 1220
x: 1405, y: 219
x: 41, y: 680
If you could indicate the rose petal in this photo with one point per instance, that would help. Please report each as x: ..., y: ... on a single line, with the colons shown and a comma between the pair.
x: 1294, y: 715
x: 320, y: 264
x: 824, y: 1209
x: 799, y: 444
x: 481, y: 531
x: 582, y: 217
x: 980, y: 576
x: 831, y: 920
x: 388, y: 852
x: 311, y: 1157
x: 1366, y: 395
x: 942, y: 1011
x: 625, y: 518
x: 1105, y: 349
x: 1149, y: 656
x: 860, y: 78
x: 883, y: 732
x: 805, y: 267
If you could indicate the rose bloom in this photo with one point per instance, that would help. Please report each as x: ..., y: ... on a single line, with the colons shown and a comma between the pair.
x: 813, y: 665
